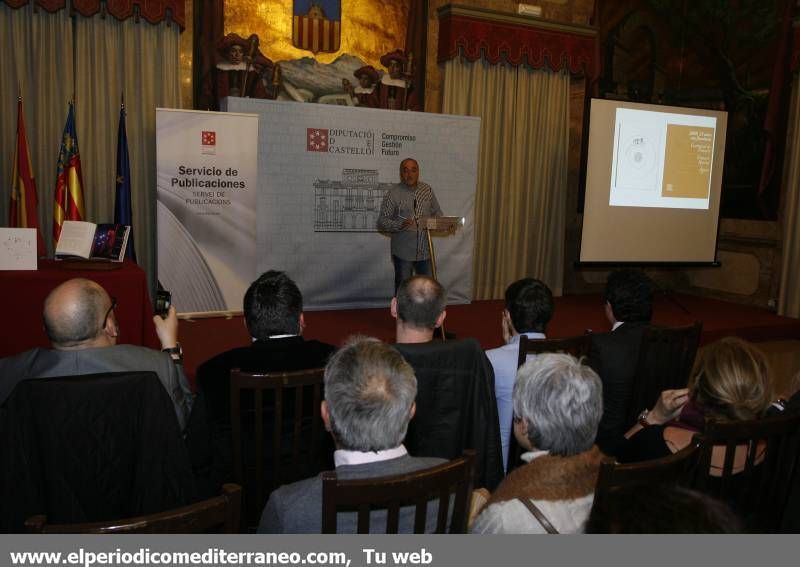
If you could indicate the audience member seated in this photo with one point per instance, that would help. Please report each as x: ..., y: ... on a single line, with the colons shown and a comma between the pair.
x: 83, y: 331
x: 419, y: 308
x: 614, y: 355
x: 455, y: 398
x: 730, y: 383
x: 528, y: 310
x: 662, y: 509
x: 369, y: 400
x: 557, y: 407
x: 273, y: 313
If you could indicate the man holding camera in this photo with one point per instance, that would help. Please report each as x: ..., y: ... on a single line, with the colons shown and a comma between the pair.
x: 80, y: 323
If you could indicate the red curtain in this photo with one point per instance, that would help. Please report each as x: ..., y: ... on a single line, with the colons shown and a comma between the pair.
x: 516, y: 44
x: 154, y: 11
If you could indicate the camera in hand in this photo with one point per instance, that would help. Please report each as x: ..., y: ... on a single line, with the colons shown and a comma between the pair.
x: 163, y: 302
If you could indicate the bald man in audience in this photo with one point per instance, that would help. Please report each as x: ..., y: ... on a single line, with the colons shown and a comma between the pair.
x: 455, y: 397
x: 83, y: 331
x: 419, y: 309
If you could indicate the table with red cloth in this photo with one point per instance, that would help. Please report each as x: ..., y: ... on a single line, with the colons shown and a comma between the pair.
x: 22, y: 295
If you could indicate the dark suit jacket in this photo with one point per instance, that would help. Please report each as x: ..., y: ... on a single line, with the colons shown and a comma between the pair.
x: 90, y: 448
x: 42, y: 363
x: 456, y: 406
x: 274, y: 355
x: 210, y: 427
x: 297, y: 508
x: 614, y: 357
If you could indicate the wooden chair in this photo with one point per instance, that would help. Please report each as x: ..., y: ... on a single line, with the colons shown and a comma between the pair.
x: 666, y: 357
x: 678, y: 468
x: 276, y: 431
x: 760, y: 462
x: 392, y: 498
x: 577, y: 346
x: 215, y: 515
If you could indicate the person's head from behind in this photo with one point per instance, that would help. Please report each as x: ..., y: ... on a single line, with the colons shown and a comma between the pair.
x: 529, y: 305
x: 420, y: 303
x: 660, y: 509
x: 369, y: 396
x: 629, y: 296
x: 80, y: 314
x: 731, y: 380
x: 273, y: 305
x: 558, y: 403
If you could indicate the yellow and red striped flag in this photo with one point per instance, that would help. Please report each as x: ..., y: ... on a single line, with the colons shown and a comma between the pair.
x: 69, y: 180
x: 24, y: 210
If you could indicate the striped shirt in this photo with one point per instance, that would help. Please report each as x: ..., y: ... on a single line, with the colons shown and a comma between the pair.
x: 402, y: 202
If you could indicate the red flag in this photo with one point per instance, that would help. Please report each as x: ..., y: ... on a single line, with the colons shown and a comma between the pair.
x: 69, y: 180
x: 24, y: 211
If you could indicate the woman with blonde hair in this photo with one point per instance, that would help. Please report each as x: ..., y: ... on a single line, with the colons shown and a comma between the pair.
x: 730, y: 382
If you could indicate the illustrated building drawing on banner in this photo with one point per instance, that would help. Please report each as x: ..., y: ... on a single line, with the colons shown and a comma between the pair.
x: 349, y: 205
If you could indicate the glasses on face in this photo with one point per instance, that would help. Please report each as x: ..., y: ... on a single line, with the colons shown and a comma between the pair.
x: 110, y: 309
x: 517, y: 419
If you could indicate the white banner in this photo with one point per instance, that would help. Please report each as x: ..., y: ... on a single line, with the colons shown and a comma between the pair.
x: 207, y: 166
x: 323, y: 172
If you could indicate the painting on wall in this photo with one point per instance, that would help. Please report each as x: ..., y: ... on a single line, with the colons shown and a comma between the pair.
x: 720, y: 55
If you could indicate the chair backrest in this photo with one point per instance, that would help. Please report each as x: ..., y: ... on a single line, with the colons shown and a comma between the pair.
x: 576, y: 346
x: 456, y: 406
x: 434, y: 489
x: 666, y: 357
x: 91, y: 448
x: 678, y: 468
x: 752, y: 465
x: 277, y: 431
x: 216, y: 515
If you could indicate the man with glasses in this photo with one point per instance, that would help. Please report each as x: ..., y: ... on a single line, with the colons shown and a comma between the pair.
x: 79, y: 321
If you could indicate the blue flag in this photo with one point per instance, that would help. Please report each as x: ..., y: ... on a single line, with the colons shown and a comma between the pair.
x: 123, y: 212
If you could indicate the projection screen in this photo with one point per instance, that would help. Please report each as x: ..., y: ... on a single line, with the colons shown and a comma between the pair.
x: 653, y: 183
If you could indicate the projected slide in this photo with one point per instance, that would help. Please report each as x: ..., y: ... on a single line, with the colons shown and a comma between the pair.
x: 662, y: 160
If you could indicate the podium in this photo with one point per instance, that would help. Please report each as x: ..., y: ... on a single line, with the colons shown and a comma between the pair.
x: 439, y: 226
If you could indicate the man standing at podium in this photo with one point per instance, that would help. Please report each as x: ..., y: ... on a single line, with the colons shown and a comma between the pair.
x: 403, y: 212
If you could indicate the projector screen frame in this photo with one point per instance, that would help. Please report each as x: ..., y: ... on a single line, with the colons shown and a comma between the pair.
x: 716, y: 177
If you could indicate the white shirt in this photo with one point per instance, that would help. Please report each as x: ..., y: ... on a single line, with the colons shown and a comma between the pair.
x: 504, y: 364
x: 344, y: 457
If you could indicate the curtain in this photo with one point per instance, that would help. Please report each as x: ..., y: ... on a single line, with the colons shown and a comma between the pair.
x: 789, y: 300
x: 55, y: 56
x: 522, y: 177
x: 36, y: 64
x: 140, y: 60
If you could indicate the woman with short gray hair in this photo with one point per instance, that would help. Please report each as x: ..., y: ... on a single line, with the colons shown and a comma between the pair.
x: 558, y: 403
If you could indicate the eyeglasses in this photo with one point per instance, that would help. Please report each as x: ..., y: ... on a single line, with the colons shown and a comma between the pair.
x: 114, y: 304
x: 517, y: 419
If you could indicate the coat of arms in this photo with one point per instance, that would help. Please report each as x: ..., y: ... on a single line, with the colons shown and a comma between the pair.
x: 317, y: 25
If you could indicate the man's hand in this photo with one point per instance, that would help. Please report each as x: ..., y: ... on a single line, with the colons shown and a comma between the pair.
x: 408, y: 224
x: 669, y: 406
x: 167, y: 328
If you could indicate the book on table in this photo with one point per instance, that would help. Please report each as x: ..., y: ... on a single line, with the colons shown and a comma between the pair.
x: 105, y: 242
